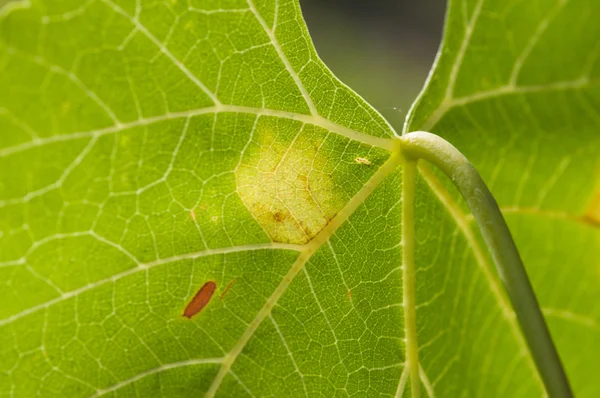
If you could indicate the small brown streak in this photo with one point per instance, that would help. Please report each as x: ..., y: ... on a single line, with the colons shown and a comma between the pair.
x: 227, y: 289
x: 200, y: 300
x: 592, y: 213
x: 349, y: 294
x: 593, y: 221
x: 363, y: 161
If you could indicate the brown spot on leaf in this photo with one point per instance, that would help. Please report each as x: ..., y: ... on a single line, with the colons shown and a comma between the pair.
x: 349, y: 294
x: 227, y: 289
x: 200, y: 300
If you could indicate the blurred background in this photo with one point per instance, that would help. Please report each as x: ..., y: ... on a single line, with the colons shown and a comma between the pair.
x: 382, y: 49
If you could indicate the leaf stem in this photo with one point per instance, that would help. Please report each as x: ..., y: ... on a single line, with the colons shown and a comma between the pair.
x: 409, y: 171
x: 439, y: 152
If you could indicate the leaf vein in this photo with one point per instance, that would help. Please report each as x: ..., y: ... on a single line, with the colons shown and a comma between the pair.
x: 153, y: 371
x: 138, y: 25
x: 284, y: 59
x: 384, y: 143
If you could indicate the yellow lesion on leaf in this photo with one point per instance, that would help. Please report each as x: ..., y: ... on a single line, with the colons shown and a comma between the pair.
x: 283, y: 184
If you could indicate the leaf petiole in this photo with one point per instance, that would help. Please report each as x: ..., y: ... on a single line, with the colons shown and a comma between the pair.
x: 442, y: 154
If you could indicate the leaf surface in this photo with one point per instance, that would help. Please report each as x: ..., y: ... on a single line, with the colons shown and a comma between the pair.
x: 152, y: 147
x: 517, y: 87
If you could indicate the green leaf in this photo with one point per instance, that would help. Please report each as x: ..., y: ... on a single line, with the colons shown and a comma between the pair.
x: 149, y: 147
x: 517, y: 88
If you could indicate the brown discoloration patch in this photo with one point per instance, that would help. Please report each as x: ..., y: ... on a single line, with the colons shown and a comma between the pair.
x: 349, y: 294
x: 287, y: 185
x: 193, y: 215
x: 227, y: 289
x: 200, y: 300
